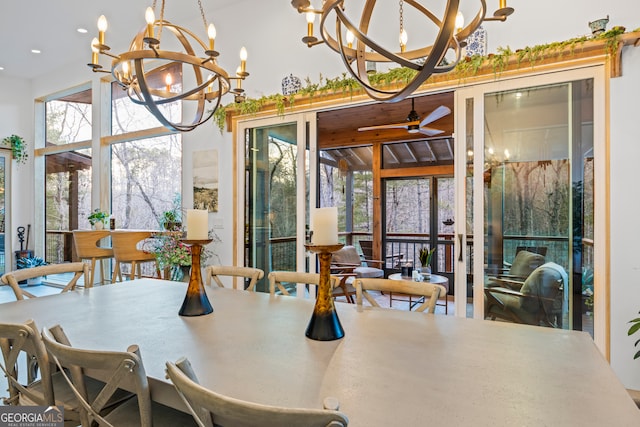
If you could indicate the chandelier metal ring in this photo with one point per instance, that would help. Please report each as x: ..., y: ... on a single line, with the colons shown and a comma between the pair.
x: 138, y: 70
x: 141, y: 93
x: 426, y: 60
x: 433, y: 54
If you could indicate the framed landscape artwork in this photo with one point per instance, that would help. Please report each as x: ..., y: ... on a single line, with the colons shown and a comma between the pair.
x: 205, y: 180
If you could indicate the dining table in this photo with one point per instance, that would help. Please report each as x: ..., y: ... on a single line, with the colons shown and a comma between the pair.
x: 391, y: 368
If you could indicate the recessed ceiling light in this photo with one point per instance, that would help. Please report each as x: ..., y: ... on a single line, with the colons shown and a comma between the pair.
x: 35, y: 51
x: 1, y: 68
x: 82, y: 30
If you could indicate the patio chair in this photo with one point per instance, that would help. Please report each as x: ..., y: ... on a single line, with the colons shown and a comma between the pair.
x: 123, y: 370
x: 248, y: 273
x: 210, y: 408
x: 539, y: 301
x: 366, y: 246
x: 86, y: 243
x: 430, y: 291
x: 348, y: 261
x: 79, y: 269
x: 524, y: 263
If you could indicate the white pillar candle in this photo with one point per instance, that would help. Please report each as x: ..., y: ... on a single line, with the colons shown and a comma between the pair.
x: 324, y: 224
x: 197, y: 224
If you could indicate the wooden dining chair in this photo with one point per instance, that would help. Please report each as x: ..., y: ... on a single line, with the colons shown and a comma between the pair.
x: 86, y: 243
x: 248, y: 273
x: 123, y: 370
x: 430, y: 291
x: 77, y: 269
x: 210, y: 408
x: 128, y: 249
x: 39, y: 386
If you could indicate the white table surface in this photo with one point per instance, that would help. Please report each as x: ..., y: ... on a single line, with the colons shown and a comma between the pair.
x: 392, y: 368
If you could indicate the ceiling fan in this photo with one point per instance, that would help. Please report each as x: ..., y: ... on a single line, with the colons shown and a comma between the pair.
x: 413, y: 124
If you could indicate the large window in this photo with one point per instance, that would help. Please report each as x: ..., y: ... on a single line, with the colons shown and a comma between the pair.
x: 146, y: 174
x: 145, y: 180
x: 68, y: 172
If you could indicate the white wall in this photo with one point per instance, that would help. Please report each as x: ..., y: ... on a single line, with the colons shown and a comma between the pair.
x: 16, y: 117
x: 625, y: 225
x: 271, y: 31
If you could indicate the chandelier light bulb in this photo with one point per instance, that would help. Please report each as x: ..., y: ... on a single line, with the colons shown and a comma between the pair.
x: 311, y: 17
x: 211, y: 32
x: 350, y: 38
x: 102, y: 28
x: 404, y: 37
x: 150, y: 17
x: 459, y: 21
x: 243, y: 59
x: 126, y: 71
x: 168, y: 81
x: 94, y: 50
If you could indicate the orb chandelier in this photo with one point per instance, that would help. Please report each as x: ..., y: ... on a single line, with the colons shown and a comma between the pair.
x: 358, y: 51
x: 142, y: 71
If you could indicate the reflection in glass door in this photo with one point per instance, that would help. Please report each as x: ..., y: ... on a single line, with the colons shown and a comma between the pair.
x: 271, y: 208
x: 537, y: 185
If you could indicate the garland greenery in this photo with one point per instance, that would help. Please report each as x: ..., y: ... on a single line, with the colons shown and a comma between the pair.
x: 467, y: 67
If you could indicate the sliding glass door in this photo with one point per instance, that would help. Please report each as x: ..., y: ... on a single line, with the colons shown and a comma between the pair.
x: 276, y: 197
x: 527, y: 189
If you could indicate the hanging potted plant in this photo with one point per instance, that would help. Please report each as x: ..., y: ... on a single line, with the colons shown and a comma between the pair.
x: 98, y: 219
x: 18, y: 148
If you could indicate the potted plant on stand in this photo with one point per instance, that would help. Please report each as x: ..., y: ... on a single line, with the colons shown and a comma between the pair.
x: 98, y: 219
x: 30, y: 263
x: 425, y: 260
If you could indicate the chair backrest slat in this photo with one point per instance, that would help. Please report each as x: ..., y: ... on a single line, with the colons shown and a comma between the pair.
x: 18, y: 339
x: 253, y: 274
x: 121, y: 369
x: 209, y: 407
x: 79, y: 269
x: 430, y: 291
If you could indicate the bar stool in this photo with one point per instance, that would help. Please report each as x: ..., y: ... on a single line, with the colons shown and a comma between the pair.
x: 125, y: 245
x: 87, y: 247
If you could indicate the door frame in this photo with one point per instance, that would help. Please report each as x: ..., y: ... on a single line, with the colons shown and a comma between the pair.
x: 601, y: 174
x: 8, y: 252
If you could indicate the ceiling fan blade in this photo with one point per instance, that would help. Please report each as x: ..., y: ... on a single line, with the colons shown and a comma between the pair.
x: 436, y: 114
x: 404, y: 125
x: 430, y: 131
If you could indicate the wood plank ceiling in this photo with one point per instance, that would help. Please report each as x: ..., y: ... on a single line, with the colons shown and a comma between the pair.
x: 338, y: 134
